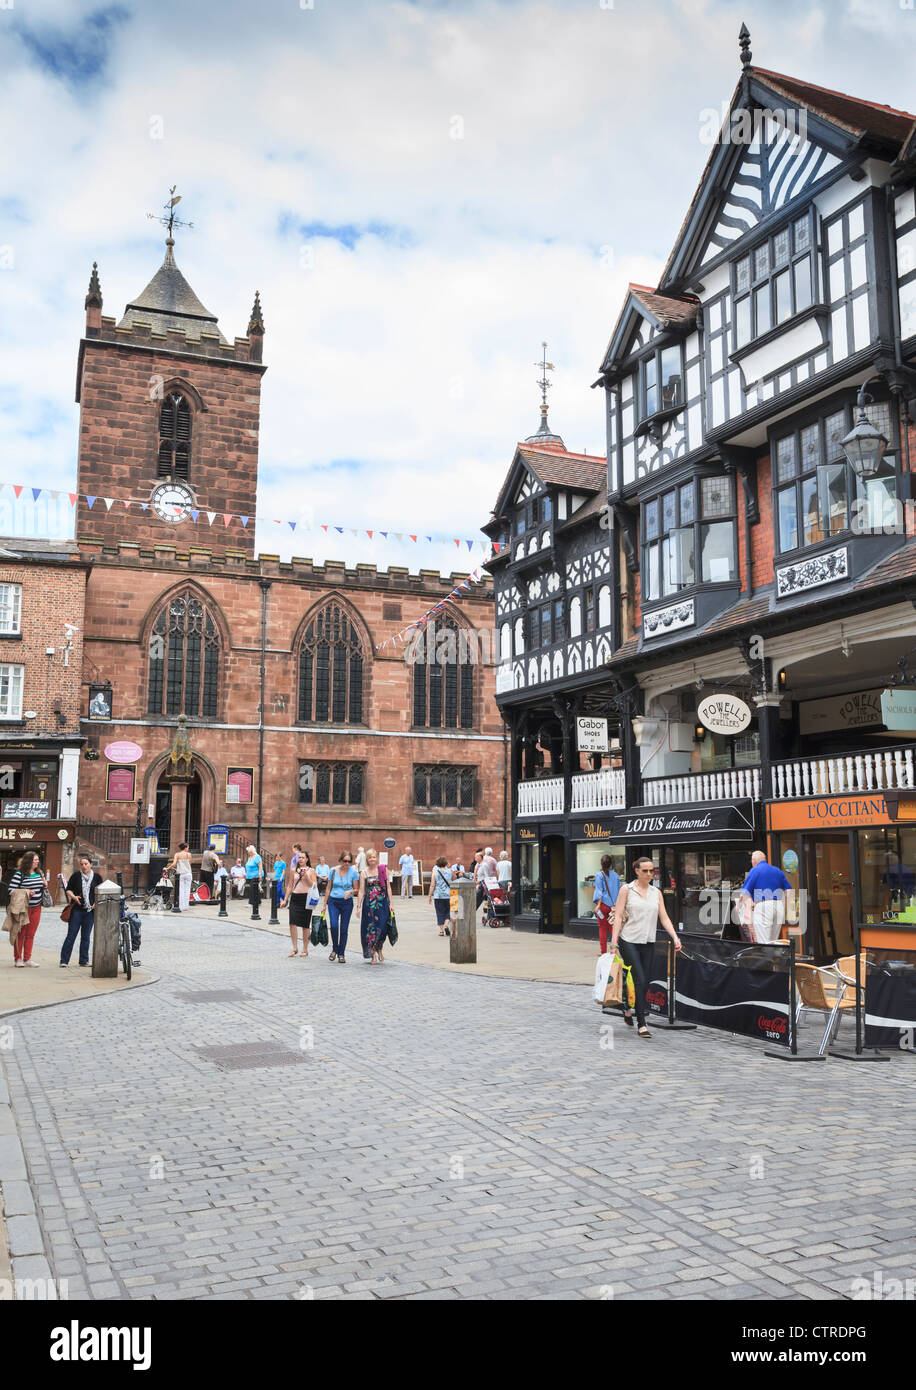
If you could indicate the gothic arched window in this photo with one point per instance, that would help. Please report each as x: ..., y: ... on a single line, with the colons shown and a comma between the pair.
x: 443, y: 682
x: 331, y: 661
x: 184, y: 659
x: 174, y: 437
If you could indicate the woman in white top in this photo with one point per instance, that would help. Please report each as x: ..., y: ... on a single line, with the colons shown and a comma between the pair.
x: 638, y: 910
x: 504, y: 870
x: 182, y: 863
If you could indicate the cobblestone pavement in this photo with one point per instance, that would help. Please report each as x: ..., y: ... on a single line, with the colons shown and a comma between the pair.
x: 443, y: 1136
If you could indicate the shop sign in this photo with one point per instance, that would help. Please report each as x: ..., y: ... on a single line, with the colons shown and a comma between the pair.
x: 724, y: 714
x: 9, y: 832
x: 123, y: 751
x: 681, y: 825
x: 26, y: 810
x: 898, y: 710
x: 589, y: 830
x: 828, y: 813
x: 100, y: 702
x: 861, y: 710
x: 591, y: 735
x: 525, y: 834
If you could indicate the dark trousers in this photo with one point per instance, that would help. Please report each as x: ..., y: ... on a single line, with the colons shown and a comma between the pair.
x: 638, y: 956
x: 80, y: 924
x: 206, y: 876
x: 340, y: 910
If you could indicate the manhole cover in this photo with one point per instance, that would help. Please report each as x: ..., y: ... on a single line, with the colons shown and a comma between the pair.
x: 211, y: 996
x: 248, y: 1056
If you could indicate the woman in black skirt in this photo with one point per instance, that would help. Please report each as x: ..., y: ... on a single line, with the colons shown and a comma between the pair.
x: 302, y: 881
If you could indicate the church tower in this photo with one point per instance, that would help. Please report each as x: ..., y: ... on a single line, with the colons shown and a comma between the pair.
x: 169, y: 416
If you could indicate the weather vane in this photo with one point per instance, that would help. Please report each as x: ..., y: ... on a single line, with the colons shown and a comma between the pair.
x: 544, y: 380
x: 170, y: 220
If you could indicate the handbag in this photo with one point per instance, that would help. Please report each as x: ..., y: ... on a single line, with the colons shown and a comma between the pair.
x: 46, y: 899
x: 392, y: 930
x: 65, y: 915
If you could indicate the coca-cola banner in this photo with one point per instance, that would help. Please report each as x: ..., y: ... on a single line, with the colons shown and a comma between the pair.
x: 732, y: 985
x: 657, y: 993
x: 890, y: 1000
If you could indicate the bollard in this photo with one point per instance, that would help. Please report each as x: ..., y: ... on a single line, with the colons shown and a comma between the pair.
x: 222, y: 897
x: 273, y: 919
x: 462, y: 948
x: 175, y: 907
x: 254, y: 889
x: 106, y: 930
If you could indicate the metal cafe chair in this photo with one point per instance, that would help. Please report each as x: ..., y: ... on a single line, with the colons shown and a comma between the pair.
x: 821, y: 990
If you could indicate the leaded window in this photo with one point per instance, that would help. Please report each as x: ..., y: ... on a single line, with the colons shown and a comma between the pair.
x: 174, y: 437
x: 695, y: 519
x: 184, y: 659
x: 443, y: 682
x: 815, y: 485
x: 331, y: 664
x: 331, y: 784
x: 773, y: 282
x: 436, y: 785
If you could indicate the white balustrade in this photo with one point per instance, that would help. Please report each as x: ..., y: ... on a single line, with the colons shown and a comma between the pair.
x: 543, y: 797
x: 857, y: 772
x: 726, y: 785
x: 598, y: 791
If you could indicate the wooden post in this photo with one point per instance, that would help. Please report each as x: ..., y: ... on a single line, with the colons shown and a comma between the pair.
x: 105, y: 931
x: 462, y: 948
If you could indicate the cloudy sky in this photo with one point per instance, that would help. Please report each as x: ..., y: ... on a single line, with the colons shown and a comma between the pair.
x: 421, y: 192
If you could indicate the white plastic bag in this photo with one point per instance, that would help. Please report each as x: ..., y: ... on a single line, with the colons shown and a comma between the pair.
x: 602, y: 971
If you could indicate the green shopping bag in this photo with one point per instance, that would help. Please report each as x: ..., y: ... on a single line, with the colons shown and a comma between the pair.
x: 392, y: 930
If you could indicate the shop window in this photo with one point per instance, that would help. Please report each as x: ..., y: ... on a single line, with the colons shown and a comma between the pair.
x: 184, y: 659
x: 450, y: 788
x: 332, y: 784
x: 530, y: 879
x: 887, y: 872
x: 11, y: 691
x: 816, y: 487
x: 774, y: 282
x: 588, y: 865
x: 10, y: 610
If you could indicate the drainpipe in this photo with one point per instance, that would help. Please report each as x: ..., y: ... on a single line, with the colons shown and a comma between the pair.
x: 265, y: 587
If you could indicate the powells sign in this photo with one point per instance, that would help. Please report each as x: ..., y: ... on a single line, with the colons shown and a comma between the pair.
x: 724, y: 714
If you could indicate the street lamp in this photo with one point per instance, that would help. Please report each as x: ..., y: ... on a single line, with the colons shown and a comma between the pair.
x: 864, y: 445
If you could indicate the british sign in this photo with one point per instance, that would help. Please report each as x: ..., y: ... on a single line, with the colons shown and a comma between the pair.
x: 26, y: 810
x: 723, y: 714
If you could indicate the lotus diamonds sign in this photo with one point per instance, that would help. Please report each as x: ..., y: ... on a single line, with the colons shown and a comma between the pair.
x: 724, y: 714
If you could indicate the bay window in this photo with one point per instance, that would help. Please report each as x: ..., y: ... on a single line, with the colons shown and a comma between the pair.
x: 695, y: 518
x: 662, y: 381
x: 818, y: 496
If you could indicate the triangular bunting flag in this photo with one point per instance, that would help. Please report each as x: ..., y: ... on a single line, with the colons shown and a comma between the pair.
x: 54, y: 494
x: 144, y: 506
x: 195, y: 515
x: 339, y: 530
x: 292, y: 525
x: 73, y: 496
x: 470, y: 543
x: 90, y: 502
x: 384, y: 533
x: 458, y: 541
x: 227, y: 517
x: 36, y: 493
x: 413, y: 538
x: 16, y: 489
x: 324, y: 528
x: 244, y: 520
x: 127, y: 503
x: 398, y: 535
x: 496, y: 547
x: 429, y: 539
x: 211, y: 517
x: 109, y: 503
x: 369, y: 534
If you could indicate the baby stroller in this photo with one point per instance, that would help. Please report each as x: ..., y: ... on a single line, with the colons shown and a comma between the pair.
x: 495, y: 904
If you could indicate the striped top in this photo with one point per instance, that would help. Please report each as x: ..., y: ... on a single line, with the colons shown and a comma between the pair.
x: 33, y: 883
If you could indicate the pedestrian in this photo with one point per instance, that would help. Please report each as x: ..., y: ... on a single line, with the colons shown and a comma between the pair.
x: 360, y: 860
x: 81, y: 887
x: 607, y: 886
x: 323, y: 873
x: 254, y: 872
x: 638, y: 910
x: 219, y: 873
x: 237, y: 874
x: 766, y: 886
x: 489, y: 861
x: 279, y: 873
x: 477, y: 871
x: 374, y: 907
x: 181, y: 864
x: 294, y: 857
x: 342, y: 887
x: 29, y: 878
x: 208, y: 866
x: 458, y: 869
x: 408, y: 867
x: 440, y: 893
x: 504, y: 870
x: 300, y: 899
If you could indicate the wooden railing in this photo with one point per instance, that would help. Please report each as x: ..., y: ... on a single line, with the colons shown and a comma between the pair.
x: 850, y: 772
x: 725, y: 785
x: 599, y: 791
x: 543, y: 797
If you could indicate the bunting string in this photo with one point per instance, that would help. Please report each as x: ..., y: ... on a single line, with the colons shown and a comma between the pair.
x: 476, y: 577
x: 200, y: 516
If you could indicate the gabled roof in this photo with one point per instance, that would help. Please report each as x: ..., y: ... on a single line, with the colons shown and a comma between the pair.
x: 838, y: 127
x: 553, y: 465
x: 662, y: 311
x: 169, y: 302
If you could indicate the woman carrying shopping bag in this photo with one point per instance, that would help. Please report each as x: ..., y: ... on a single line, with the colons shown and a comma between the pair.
x: 374, y: 908
x: 639, y: 909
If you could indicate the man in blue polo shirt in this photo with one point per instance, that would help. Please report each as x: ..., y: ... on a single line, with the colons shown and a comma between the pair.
x: 766, y: 886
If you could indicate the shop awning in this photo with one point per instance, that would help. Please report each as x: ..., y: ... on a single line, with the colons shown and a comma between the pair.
x: 694, y: 823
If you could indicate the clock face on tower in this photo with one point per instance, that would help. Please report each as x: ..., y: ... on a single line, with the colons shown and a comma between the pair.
x: 172, y: 501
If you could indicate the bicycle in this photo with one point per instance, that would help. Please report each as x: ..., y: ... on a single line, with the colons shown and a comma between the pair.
x: 126, y: 923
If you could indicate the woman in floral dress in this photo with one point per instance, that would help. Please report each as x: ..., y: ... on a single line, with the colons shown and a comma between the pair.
x: 374, y: 906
